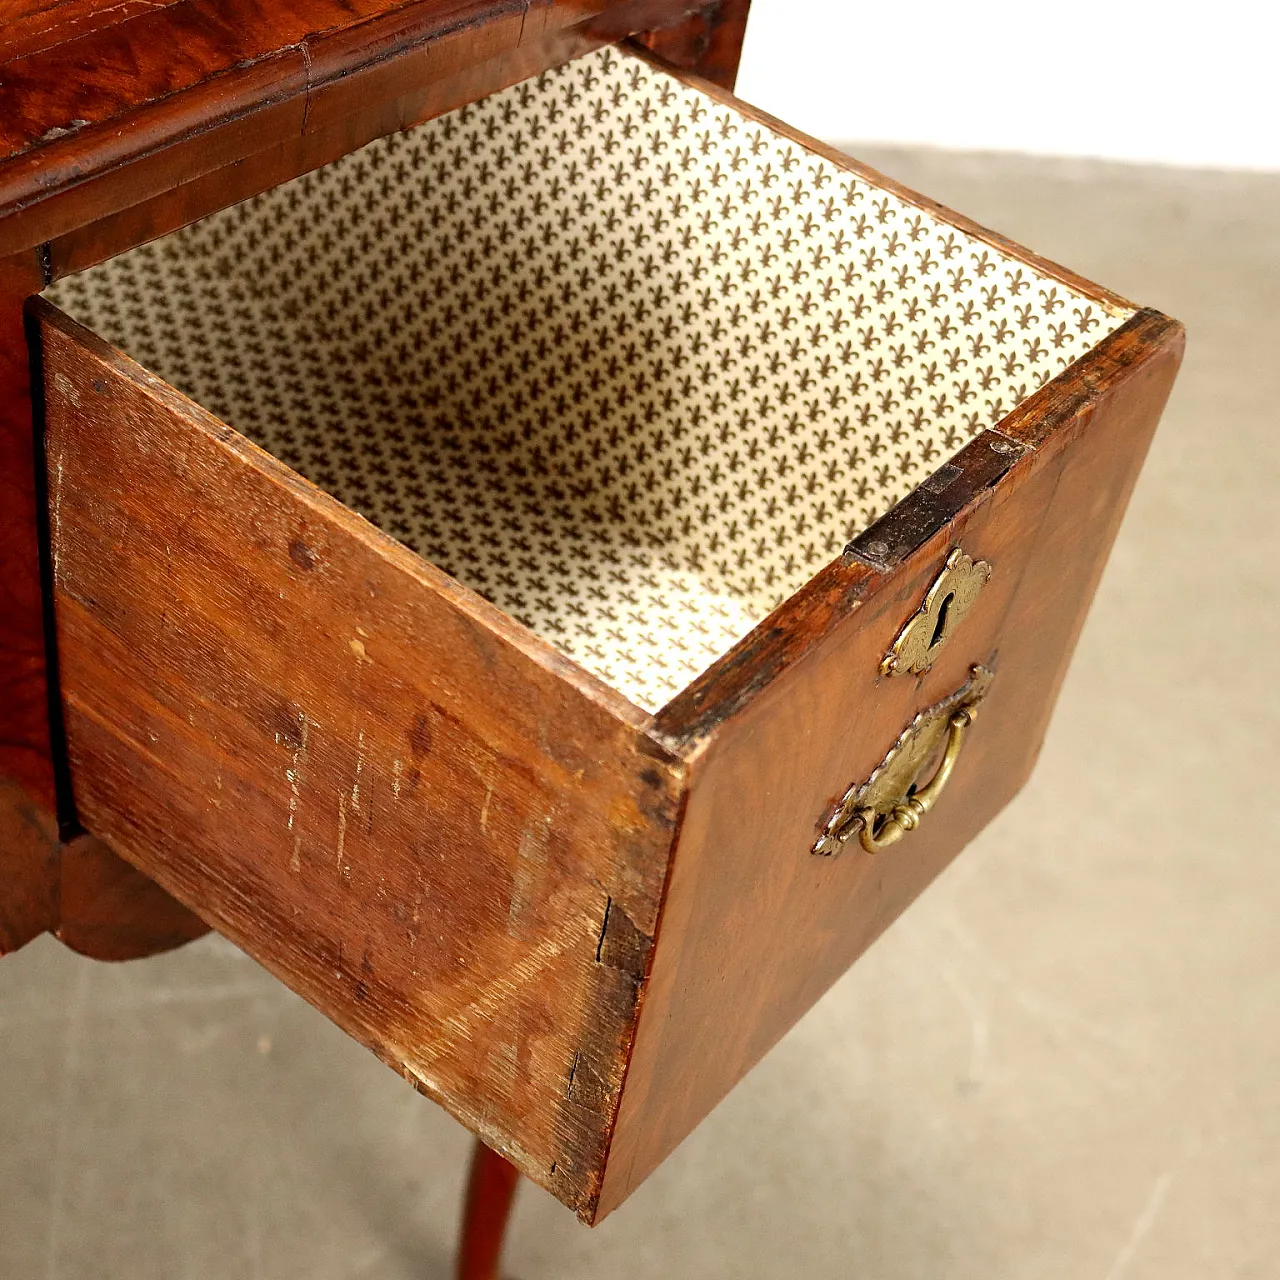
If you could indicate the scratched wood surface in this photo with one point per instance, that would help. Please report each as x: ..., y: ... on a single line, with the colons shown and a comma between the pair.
x: 427, y: 823
x: 176, y: 710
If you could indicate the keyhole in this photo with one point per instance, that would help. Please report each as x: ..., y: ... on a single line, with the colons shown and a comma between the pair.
x: 944, y: 612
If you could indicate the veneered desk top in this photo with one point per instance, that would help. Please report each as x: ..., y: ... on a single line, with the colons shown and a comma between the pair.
x: 88, y: 87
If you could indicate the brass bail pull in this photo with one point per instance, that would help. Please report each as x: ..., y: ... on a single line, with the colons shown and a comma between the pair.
x: 891, y: 802
x: 879, y: 831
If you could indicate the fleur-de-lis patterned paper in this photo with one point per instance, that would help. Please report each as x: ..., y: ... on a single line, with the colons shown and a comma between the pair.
x: 625, y: 361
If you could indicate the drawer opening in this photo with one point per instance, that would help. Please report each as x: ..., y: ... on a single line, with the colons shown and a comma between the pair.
x: 619, y: 356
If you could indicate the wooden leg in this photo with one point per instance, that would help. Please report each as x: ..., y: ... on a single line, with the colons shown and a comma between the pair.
x: 491, y: 1191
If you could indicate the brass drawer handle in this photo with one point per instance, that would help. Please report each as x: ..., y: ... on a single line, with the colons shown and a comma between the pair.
x: 906, y: 814
x: 881, y: 810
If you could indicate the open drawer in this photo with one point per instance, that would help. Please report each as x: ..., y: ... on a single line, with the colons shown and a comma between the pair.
x: 526, y: 581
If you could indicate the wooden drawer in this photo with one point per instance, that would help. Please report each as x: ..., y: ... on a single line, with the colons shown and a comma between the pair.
x: 452, y: 595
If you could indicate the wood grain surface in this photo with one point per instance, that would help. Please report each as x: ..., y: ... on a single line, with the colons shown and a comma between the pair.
x: 28, y: 824
x: 708, y: 41
x: 60, y: 92
x: 109, y: 910
x: 96, y: 903
x: 177, y: 665
x: 24, y: 731
x: 401, y: 99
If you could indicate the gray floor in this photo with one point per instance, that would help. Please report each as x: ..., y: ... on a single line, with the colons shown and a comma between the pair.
x: 1063, y: 1062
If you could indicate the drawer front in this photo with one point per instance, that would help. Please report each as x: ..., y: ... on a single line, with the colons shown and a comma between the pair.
x: 755, y: 925
x: 432, y: 827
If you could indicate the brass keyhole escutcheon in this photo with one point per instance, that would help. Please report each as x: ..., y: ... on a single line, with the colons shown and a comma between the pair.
x: 893, y: 800
x: 949, y: 598
x: 944, y: 617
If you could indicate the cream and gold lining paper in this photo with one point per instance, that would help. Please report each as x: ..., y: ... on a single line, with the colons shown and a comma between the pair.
x: 624, y: 361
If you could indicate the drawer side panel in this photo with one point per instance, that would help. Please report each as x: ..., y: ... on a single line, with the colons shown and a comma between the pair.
x: 427, y: 824
x: 756, y: 927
